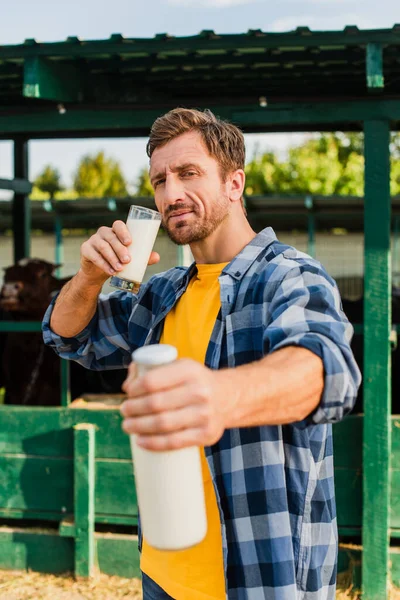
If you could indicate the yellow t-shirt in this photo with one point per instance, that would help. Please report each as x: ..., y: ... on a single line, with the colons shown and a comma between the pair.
x: 198, y: 572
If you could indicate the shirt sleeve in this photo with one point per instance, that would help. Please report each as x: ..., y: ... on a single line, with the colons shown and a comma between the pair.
x: 306, y: 311
x: 103, y: 344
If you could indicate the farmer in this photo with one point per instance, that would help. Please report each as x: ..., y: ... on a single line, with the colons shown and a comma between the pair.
x: 264, y: 368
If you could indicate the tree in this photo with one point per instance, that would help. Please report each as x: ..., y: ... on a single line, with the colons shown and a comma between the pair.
x: 327, y: 164
x: 98, y: 176
x: 49, y: 181
x: 143, y: 185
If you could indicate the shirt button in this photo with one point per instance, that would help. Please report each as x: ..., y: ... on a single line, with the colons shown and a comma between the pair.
x: 237, y: 274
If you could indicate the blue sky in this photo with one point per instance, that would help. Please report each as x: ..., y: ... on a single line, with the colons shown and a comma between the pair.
x: 46, y: 20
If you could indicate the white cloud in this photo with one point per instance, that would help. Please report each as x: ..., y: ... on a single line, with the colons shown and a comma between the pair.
x: 210, y: 3
x: 320, y: 23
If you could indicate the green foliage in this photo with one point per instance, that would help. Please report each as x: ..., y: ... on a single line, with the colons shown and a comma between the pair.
x: 143, y: 185
x: 327, y: 164
x: 49, y: 181
x: 98, y: 176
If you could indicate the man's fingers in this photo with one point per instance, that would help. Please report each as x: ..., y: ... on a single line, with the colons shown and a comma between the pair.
x: 92, y: 256
x: 122, y: 232
x: 165, y: 422
x: 155, y: 403
x: 173, y: 441
x: 162, y: 378
x: 154, y: 258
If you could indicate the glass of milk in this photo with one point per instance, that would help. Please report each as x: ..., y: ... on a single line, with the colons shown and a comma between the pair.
x: 143, y: 225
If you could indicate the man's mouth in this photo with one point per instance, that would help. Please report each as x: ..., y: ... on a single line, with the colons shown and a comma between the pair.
x: 179, y: 215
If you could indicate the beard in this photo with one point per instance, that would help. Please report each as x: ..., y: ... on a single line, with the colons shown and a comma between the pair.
x: 195, y: 228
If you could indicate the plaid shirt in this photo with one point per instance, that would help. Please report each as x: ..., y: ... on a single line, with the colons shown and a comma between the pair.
x: 274, y: 484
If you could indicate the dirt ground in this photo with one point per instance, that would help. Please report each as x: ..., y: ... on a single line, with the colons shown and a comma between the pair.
x: 20, y: 585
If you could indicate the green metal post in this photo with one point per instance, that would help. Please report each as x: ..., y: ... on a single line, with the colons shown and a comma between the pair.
x: 84, y: 483
x: 377, y: 366
x: 180, y: 256
x: 59, y: 250
x: 311, y: 235
x: 21, y: 204
x: 396, y: 249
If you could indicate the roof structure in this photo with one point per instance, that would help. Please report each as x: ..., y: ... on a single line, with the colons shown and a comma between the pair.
x: 79, y: 87
x: 283, y: 213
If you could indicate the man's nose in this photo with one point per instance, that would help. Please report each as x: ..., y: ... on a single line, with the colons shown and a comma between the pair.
x: 173, y: 191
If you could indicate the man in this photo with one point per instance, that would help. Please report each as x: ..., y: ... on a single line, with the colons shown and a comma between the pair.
x: 265, y: 367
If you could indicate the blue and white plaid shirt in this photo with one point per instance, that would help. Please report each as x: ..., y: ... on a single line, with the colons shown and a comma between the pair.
x: 274, y: 484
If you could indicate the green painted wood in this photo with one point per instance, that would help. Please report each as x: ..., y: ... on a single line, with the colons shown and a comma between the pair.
x: 44, y: 486
x: 84, y: 486
x: 377, y: 392
x: 374, y: 64
x: 26, y: 326
x: 21, y: 223
x: 67, y: 527
x: 118, y: 555
x: 277, y: 117
x: 35, y: 549
x: 395, y: 566
x: 20, y: 186
x: 348, y: 490
x: 50, y: 80
x: 44, y: 551
x: 64, y: 380
x: 48, y: 431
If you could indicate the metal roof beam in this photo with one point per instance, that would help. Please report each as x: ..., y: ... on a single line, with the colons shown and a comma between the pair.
x: 135, y: 121
x: 49, y: 80
x: 374, y: 63
x: 19, y: 186
x: 350, y: 36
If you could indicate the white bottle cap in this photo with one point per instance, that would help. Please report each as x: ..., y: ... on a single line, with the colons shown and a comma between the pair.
x: 155, y: 354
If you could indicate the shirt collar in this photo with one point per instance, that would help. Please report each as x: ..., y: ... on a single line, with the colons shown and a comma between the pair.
x: 241, y: 263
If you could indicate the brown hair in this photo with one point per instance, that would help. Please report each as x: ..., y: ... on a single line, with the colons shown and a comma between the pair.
x: 224, y: 141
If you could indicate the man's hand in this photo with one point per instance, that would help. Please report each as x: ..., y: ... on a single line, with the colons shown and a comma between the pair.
x: 175, y: 406
x: 105, y: 253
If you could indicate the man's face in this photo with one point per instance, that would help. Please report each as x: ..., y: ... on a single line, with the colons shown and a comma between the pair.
x: 189, y: 191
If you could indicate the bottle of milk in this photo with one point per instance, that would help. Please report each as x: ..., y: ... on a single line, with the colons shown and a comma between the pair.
x: 169, y: 484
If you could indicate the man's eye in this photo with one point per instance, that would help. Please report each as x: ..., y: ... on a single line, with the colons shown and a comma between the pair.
x: 189, y: 173
x: 158, y: 182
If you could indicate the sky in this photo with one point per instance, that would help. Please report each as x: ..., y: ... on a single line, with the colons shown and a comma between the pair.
x: 46, y: 20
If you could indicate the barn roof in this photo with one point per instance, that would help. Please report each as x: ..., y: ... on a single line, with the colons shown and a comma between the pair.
x: 234, y: 72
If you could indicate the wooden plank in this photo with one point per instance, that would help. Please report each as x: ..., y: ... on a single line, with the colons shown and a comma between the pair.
x: 44, y: 486
x: 36, y: 549
x: 27, y: 326
x: 118, y: 554
x: 84, y: 482
x: 348, y: 491
x: 347, y: 440
x: 45, y: 551
x: 44, y: 431
x: 49, y: 80
x: 377, y: 392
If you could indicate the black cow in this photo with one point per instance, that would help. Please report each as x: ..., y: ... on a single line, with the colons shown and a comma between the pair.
x: 29, y: 370
x: 354, y: 311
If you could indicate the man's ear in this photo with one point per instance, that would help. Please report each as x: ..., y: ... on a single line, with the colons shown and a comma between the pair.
x: 236, y: 183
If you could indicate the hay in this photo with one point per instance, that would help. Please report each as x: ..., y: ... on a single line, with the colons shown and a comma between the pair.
x: 22, y: 585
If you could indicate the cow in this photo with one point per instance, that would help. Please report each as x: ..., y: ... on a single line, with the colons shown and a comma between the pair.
x: 354, y: 310
x: 29, y: 370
